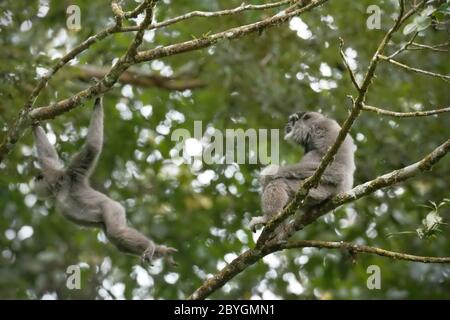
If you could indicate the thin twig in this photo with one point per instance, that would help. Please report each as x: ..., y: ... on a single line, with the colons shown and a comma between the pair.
x: 404, y: 47
x: 405, y: 114
x: 416, y: 70
x: 361, y: 249
x: 352, y: 75
x: 437, y: 48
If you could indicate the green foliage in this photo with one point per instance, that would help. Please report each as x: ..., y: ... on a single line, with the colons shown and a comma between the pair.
x: 253, y: 82
x: 433, y: 221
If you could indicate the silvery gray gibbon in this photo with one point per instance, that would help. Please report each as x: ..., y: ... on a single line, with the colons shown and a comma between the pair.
x: 315, y: 133
x: 79, y: 202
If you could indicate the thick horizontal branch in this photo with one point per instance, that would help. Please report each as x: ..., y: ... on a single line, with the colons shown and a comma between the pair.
x: 415, y: 70
x: 229, y: 34
x: 207, y: 14
x: 369, y: 187
x: 251, y: 256
x: 355, y: 248
x: 405, y: 114
x: 105, y: 84
x: 16, y: 130
x: 117, y: 28
x: 136, y: 78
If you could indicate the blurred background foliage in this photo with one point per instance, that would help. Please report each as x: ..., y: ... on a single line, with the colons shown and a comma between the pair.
x: 203, y: 210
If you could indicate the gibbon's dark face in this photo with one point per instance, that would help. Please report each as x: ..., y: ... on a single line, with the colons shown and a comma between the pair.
x: 41, y: 187
x: 299, y: 126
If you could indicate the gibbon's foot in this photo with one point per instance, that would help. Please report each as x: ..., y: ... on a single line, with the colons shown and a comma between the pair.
x: 147, y: 256
x: 158, y: 251
x: 166, y: 252
x: 257, y: 221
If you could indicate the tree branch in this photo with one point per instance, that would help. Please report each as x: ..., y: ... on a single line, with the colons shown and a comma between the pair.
x: 16, y: 130
x: 136, y: 78
x: 251, y: 256
x: 55, y: 109
x: 405, y: 46
x: 48, y: 112
x: 420, y: 71
x: 369, y: 187
x: 405, y: 114
x: 118, y: 12
x: 60, y: 107
x: 207, y: 14
x: 229, y: 34
x: 361, y: 249
x: 437, y: 47
x: 134, y: 13
x: 358, y: 104
x: 350, y: 71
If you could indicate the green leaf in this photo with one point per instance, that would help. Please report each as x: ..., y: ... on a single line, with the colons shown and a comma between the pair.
x: 432, y: 220
x: 428, y: 11
x: 420, y: 233
x: 444, y: 9
x: 426, y: 206
x: 419, y: 23
x: 422, y: 22
x: 409, y: 28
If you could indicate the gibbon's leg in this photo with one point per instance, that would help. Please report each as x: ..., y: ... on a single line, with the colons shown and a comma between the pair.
x: 126, y: 239
x: 315, y: 197
x: 274, y: 197
x: 129, y: 240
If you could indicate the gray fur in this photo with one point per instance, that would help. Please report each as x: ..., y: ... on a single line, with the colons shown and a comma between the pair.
x: 79, y: 202
x: 316, y: 133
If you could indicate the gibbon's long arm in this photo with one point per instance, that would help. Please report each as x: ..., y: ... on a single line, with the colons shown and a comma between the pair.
x: 294, y: 171
x: 47, y: 156
x: 316, y: 133
x: 301, y: 171
x: 82, y: 204
x: 83, y: 162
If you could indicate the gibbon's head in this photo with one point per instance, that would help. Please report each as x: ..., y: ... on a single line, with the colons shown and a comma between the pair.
x: 40, y: 186
x: 45, y: 183
x: 312, y: 130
